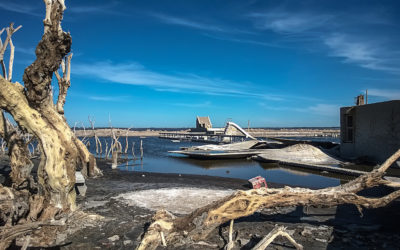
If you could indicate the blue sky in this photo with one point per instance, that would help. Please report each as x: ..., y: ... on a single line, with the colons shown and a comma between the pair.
x: 275, y: 63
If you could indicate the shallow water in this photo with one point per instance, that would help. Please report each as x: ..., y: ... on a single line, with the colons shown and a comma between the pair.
x: 157, y: 159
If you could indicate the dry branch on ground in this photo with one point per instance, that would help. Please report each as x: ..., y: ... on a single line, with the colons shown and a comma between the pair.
x: 199, y: 224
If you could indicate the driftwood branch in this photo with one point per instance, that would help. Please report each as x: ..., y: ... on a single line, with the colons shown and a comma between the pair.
x: 269, y: 238
x: 197, y: 225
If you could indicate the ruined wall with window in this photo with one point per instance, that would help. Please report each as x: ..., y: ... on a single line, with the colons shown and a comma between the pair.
x: 371, y: 131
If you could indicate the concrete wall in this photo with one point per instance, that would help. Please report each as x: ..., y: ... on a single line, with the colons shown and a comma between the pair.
x: 376, y: 131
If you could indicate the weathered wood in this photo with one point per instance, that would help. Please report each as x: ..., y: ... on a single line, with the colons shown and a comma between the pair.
x: 33, y: 109
x: 231, y: 243
x: 64, y: 83
x: 269, y: 238
x: 18, y: 153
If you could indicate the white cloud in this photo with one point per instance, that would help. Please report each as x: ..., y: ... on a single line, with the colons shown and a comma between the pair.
x: 110, y: 98
x: 26, y: 51
x: 136, y: 74
x: 247, y: 41
x: 206, y: 104
x: 188, y: 23
x: 200, y: 25
x: 346, y: 35
x: 318, y: 109
x: 324, y: 109
x: 23, y: 8
x: 391, y: 94
x: 94, y: 9
x: 365, y: 52
x: 289, y: 22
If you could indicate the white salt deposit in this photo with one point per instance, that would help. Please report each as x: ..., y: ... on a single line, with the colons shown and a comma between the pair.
x: 176, y: 200
x: 302, y: 153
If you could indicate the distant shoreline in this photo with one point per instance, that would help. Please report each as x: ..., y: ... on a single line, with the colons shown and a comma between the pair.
x: 257, y: 132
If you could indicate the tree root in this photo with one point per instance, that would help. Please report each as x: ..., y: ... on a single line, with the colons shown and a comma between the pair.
x: 9, y: 233
x: 46, y: 233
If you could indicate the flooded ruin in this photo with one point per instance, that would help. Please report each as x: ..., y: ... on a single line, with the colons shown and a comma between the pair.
x: 156, y: 159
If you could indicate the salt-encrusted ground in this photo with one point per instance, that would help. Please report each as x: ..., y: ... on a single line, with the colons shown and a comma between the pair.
x: 127, y: 201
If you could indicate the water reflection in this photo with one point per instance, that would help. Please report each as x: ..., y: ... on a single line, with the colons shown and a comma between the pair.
x: 213, y: 164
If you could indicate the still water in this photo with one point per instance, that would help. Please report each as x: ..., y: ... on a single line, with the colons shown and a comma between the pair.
x: 157, y: 159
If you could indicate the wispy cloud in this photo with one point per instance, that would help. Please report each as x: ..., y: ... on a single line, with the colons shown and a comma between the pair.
x: 26, y: 51
x: 110, y: 98
x: 324, y: 109
x: 33, y: 10
x: 344, y: 35
x: 94, y: 9
x: 199, y: 24
x: 244, y: 40
x: 136, y: 74
x: 188, y: 23
x: 366, y: 53
x: 289, y: 22
x: 17, y: 7
x: 391, y: 94
x: 206, y: 104
x: 317, y: 109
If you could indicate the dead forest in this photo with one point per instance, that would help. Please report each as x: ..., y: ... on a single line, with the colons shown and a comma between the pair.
x: 33, y: 206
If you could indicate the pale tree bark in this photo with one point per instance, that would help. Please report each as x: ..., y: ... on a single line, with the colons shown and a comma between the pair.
x: 19, y: 156
x: 197, y: 225
x: 3, y: 46
x: 33, y: 109
x: 99, y: 150
x: 18, y: 151
x: 64, y: 83
x: 269, y: 238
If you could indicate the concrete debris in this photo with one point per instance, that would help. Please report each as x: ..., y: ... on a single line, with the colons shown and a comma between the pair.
x: 80, y: 183
x: 127, y: 242
x: 113, y: 238
x: 301, y: 153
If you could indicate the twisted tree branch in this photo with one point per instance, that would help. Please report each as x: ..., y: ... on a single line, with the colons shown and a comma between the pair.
x: 197, y: 225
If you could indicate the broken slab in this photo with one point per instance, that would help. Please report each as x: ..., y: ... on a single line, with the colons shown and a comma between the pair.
x: 298, y: 153
x: 80, y: 184
x: 182, y: 200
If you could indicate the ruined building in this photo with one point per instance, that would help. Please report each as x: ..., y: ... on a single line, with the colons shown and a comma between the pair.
x: 371, y: 131
x: 202, y: 124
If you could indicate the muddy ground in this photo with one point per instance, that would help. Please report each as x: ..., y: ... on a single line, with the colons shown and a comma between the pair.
x: 315, y: 228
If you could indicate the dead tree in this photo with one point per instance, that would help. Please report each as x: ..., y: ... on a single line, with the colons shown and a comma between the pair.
x: 96, y: 138
x: 18, y: 150
x: 33, y: 109
x: 126, y: 141
x: 64, y: 83
x: 199, y: 224
x: 19, y: 155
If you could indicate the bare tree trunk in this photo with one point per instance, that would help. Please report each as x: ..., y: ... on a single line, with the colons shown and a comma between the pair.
x: 197, y: 225
x: 64, y: 83
x: 18, y: 151
x: 33, y: 109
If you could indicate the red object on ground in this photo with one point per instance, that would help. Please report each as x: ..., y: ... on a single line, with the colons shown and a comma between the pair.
x: 258, y: 182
